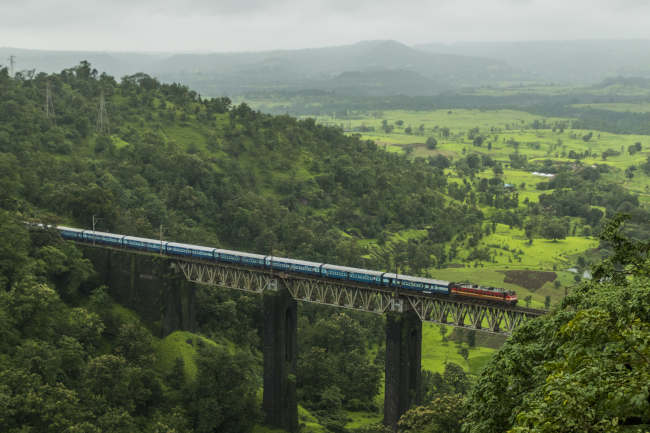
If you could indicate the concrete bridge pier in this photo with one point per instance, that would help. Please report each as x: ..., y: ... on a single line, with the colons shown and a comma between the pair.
x: 280, y: 343
x: 403, y: 371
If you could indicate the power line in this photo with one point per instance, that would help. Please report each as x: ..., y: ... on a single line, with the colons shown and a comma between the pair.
x: 102, y: 115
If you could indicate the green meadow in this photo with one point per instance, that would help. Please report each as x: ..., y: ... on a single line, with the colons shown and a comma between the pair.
x: 506, y: 132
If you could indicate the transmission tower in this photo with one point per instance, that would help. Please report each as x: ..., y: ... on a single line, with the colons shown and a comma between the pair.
x: 102, y: 115
x: 49, y: 105
x: 12, y: 64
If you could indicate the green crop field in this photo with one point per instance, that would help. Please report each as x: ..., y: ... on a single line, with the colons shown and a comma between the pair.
x: 506, y: 132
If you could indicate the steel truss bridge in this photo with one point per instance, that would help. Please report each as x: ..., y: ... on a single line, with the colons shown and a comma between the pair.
x: 443, y: 309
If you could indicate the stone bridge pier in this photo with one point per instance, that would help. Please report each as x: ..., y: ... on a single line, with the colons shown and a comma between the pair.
x: 280, y: 354
x: 403, y: 371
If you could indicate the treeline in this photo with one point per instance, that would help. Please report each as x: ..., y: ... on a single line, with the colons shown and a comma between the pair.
x: 342, y: 107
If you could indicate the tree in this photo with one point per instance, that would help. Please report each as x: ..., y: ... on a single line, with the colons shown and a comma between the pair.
x: 431, y: 143
x: 634, y: 148
x: 443, y: 332
x: 554, y: 228
x: 442, y: 415
x: 471, y: 338
x: 584, y: 363
x: 13, y: 250
x: 529, y: 230
x: 336, y: 356
x: 224, y: 399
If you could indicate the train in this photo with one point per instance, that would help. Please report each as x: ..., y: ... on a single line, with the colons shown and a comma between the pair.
x: 303, y: 267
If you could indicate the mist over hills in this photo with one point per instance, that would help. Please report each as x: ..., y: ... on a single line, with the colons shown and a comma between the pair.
x: 578, y: 62
x: 373, y: 68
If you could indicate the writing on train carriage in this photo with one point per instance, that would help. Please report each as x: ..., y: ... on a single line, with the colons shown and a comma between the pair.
x: 407, y: 282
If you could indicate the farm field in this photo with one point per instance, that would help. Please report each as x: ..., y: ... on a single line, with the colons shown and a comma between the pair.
x: 506, y: 132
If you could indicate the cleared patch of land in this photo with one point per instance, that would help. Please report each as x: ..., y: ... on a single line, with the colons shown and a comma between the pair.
x: 532, y: 280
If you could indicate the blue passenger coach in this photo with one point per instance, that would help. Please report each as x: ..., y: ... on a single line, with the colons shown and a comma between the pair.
x: 70, y: 233
x: 190, y: 250
x: 283, y: 264
x: 354, y: 274
x: 106, y: 238
x: 143, y: 244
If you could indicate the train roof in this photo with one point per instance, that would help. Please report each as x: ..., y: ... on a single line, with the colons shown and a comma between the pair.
x: 418, y: 279
x: 191, y: 247
x: 355, y: 270
x: 241, y: 253
x: 135, y: 238
x: 488, y: 288
x: 110, y: 235
x: 295, y: 261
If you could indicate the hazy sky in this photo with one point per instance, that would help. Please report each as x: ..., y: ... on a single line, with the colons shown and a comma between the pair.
x: 245, y: 25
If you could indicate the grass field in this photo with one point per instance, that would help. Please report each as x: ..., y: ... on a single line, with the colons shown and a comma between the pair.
x: 436, y: 352
x: 179, y: 344
x: 507, y: 132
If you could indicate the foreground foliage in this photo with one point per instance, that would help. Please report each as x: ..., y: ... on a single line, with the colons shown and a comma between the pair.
x: 586, y: 364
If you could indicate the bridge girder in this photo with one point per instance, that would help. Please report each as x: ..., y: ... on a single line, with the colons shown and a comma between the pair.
x: 500, y: 319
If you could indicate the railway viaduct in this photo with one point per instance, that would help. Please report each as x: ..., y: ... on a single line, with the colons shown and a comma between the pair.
x: 161, y: 289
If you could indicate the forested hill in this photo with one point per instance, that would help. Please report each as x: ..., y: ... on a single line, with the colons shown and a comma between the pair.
x: 208, y: 172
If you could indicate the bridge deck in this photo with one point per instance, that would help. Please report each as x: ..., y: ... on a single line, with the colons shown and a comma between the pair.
x: 494, y: 317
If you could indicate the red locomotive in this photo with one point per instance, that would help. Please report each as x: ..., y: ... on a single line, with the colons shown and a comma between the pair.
x: 484, y: 293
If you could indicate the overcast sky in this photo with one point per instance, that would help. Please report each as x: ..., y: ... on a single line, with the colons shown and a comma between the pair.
x: 250, y: 25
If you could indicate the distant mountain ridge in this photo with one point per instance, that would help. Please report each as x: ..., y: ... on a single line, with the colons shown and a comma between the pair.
x: 373, y: 68
x: 391, y: 67
x: 580, y: 61
x: 379, y: 67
